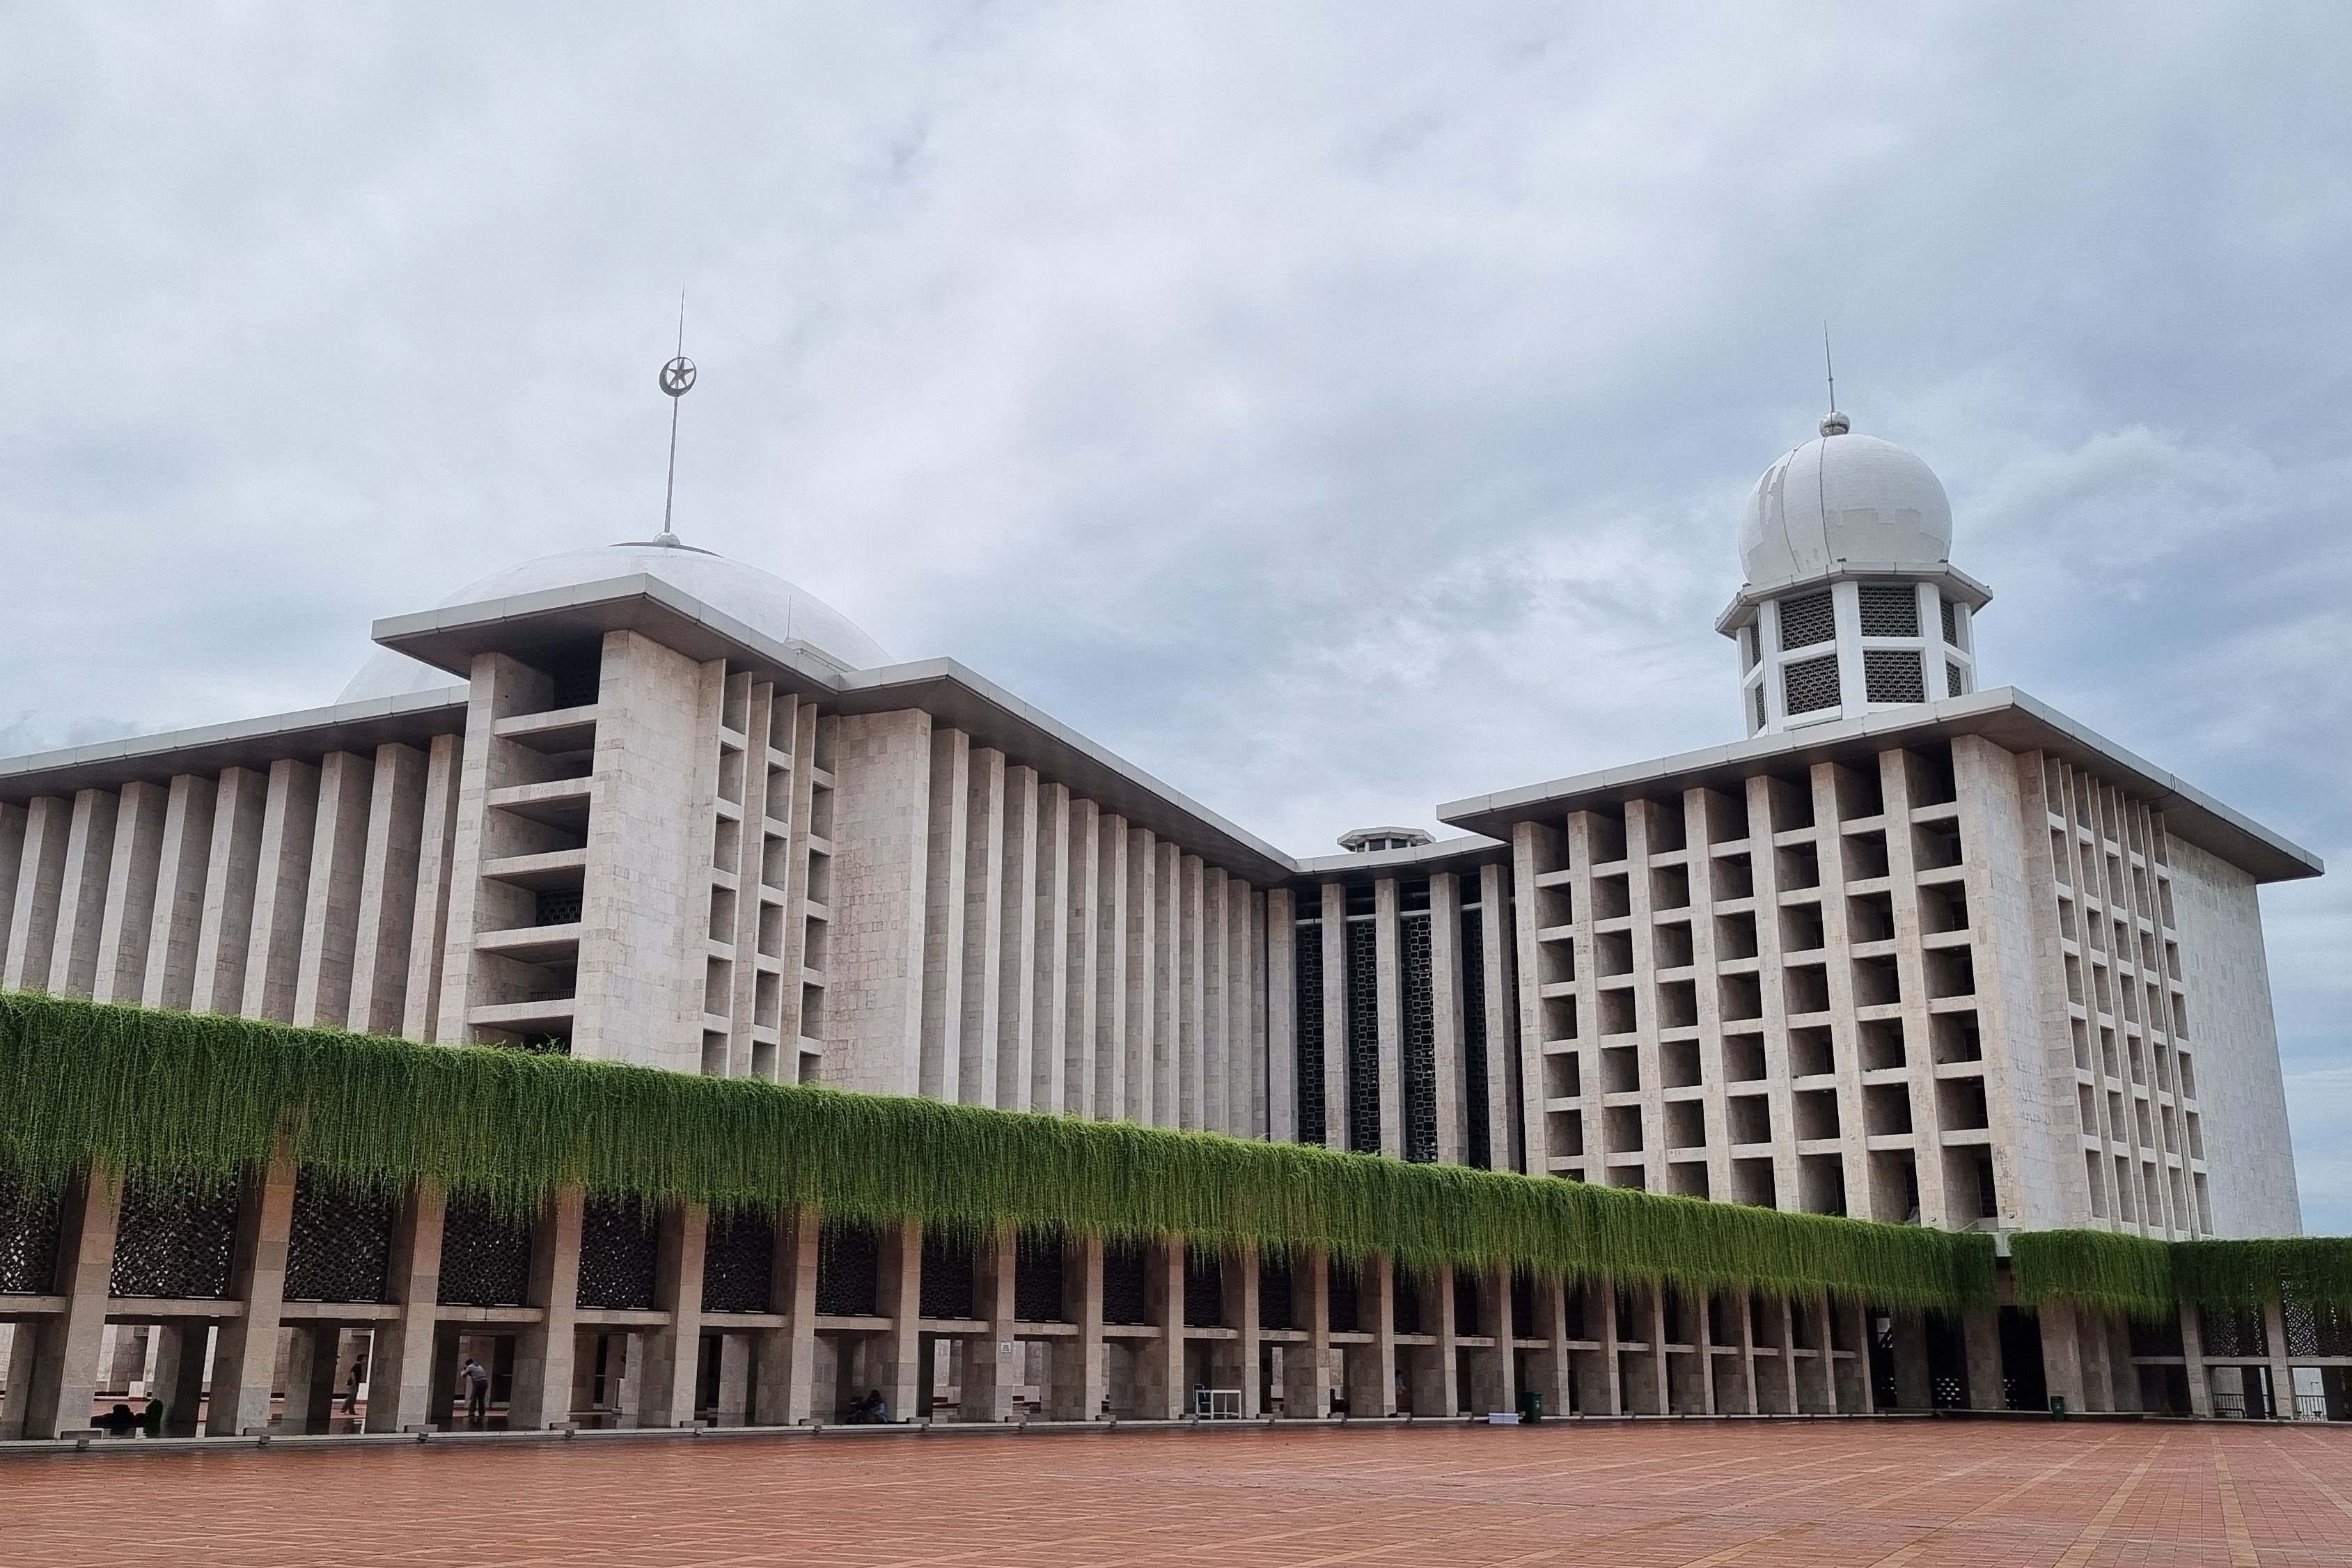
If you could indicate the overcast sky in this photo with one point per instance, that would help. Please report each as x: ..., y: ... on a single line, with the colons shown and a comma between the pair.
x: 1335, y: 410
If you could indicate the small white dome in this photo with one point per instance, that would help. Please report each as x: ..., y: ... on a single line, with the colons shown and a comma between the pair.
x: 1845, y: 498
x: 761, y: 600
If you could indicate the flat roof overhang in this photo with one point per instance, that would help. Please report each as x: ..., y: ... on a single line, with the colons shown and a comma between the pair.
x: 2005, y: 715
x: 246, y: 743
x: 952, y: 694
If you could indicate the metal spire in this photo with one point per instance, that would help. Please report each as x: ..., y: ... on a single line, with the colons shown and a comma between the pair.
x: 677, y: 380
x: 1832, y: 423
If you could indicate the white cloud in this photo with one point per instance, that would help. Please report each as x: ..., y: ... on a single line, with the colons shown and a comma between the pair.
x: 1337, y: 409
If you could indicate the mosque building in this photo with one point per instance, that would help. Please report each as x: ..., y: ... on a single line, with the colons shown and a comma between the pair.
x: 1911, y: 949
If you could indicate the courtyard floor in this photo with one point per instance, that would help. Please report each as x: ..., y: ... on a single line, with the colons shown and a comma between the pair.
x: 1986, y: 1494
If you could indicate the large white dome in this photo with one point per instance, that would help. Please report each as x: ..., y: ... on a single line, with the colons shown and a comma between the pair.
x: 761, y: 600
x: 1845, y: 498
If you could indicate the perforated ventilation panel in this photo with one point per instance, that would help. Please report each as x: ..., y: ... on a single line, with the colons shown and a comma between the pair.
x: 738, y: 1264
x: 1124, y: 1299
x: 2233, y: 1332
x: 1892, y: 675
x: 849, y: 1265
x: 339, y: 1248
x: 1273, y: 1293
x: 1889, y: 610
x: 1420, y: 1041
x: 1810, y: 685
x: 1363, y: 1038
x: 620, y: 1250
x: 946, y: 1289
x: 1480, y: 1147
x: 1953, y: 680
x: 1037, y: 1279
x: 2315, y: 1331
x: 484, y: 1258
x: 556, y: 906
x: 1404, y: 1303
x: 1755, y: 700
x: 28, y: 1240
x: 1308, y: 967
x: 1205, y: 1292
x: 175, y: 1239
x: 1807, y: 621
x: 1342, y: 1306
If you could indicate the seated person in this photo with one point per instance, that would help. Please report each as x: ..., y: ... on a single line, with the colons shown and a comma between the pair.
x: 117, y: 1422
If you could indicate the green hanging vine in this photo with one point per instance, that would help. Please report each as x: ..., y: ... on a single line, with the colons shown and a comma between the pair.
x: 2152, y: 1279
x: 146, y: 1089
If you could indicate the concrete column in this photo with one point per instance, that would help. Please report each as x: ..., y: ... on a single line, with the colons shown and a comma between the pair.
x: 1550, y: 1372
x: 2192, y: 1355
x: 178, y: 911
x: 1494, y: 1373
x: 1306, y: 1368
x: 386, y: 915
x: 1054, y: 1012
x: 1980, y: 1331
x: 1373, y: 1369
x: 2061, y: 1356
x: 1187, y: 1045
x: 1076, y: 1394
x: 244, y: 1360
x: 992, y: 1362
x: 1661, y: 1368
x: 1236, y: 1361
x: 1600, y: 1391
x: 1435, y: 1389
x: 1504, y: 1064
x: 130, y: 886
x: 544, y: 1350
x: 281, y: 892
x: 1913, y: 1384
x: 81, y: 894
x: 1281, y: 949
x: 1223, y: 899
x: 2097, y: 1365
x: 784, y: 1359
x: 2281, y: 1372
x: 41, y: 885
x: 435, y: 873
x: 1110, y: 969
x: 400, y: 1395
x: 1749, y: 1402
x: 180, y: 1361
x: 311, y: 1369
x: 1017, y: 954
x: 973, y: 1077
x: 330, y: 919
x: 225, y: 929
x: 672, y: 1352
x: 53, y: 1371
x: 1445, y: 1015
x: 1166, y: 1098
x: 1159, y: 1388
x: 11, y: 862
x: 900, y: 1369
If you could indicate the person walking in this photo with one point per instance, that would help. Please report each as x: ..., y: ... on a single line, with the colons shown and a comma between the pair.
x: 351, y: 1389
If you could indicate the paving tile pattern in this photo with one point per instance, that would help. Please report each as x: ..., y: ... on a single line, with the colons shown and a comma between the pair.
x: 1986, y: 1495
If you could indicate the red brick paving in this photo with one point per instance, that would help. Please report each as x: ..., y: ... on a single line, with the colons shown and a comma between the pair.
x: 1983, y: 1494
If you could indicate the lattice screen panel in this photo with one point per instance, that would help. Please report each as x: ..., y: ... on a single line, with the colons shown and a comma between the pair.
x: 1420, y: 1039
x: 1205, y: 1292
x: 1951, y: 622
x: 1406, y: 1300
x: 1892, y: 675
x: 1810, y: 685
x: 2234, y: 1333
x: 28, y: 1240
x: 1363, y: 1038
x: 1124, y: 1299
x: 340, y: 1245
x: 848, y: 1270
x: 1343, y: 1301
x: 175, y: 1239
x: 1274, y: 1307
x: 1037, y: 1264
x: 1889, y: 610
x: 1807, y: 621
x: 945, y: 1290
x: 1479, y: 1148
x: 620, y: 1256
x: 1308, y: 964
x: 2315, y: 1331
x: 738, y: 1264
x: 484, y: 1258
